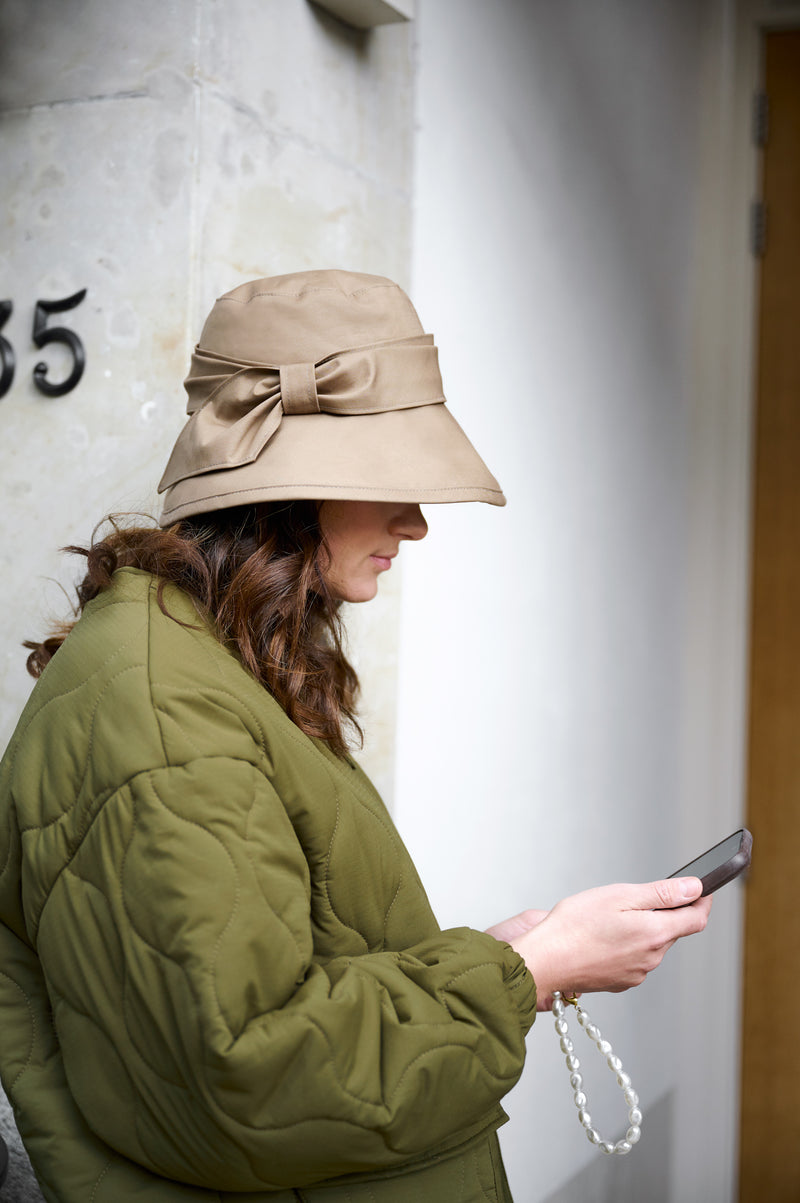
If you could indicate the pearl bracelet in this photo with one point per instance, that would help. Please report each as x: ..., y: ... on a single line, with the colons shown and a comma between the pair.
x: 576, y: 1081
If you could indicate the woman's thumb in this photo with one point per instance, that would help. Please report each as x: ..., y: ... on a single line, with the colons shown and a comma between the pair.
x: 671, y: 892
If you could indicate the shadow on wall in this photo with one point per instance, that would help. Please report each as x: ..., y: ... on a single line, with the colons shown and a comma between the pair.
x: 356, y: 41
x: 628, y: 1179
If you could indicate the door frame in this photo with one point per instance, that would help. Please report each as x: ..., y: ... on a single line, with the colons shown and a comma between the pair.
x: 723, y: 314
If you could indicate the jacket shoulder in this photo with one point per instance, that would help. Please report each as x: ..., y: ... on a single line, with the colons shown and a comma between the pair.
x: 131, y: 691
x: 136, y: 685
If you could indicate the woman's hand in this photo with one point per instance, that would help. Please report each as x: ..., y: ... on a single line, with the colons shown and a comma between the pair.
x: 605, y: 939
x: 516, y: 926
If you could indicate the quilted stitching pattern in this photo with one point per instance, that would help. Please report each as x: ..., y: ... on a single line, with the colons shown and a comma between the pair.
x: 220, y: 963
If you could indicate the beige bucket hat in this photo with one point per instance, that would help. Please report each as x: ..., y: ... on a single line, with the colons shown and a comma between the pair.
x: 318, y: 384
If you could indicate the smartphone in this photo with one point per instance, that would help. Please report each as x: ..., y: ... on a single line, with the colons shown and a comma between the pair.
x: 722, y: 863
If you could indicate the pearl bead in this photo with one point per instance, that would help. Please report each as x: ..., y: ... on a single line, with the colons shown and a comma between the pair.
x: 614, y: 1063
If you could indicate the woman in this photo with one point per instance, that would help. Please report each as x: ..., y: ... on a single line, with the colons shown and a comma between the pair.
x: 221, y: 976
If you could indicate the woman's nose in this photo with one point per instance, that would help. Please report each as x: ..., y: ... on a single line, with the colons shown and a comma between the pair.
x: 409, y: 523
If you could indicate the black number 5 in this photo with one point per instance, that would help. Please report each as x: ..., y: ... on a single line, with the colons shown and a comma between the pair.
x: 7, y: 360
x: 57, y: 334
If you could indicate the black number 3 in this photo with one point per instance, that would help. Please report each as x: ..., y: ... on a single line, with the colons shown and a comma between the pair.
x: 56, y: 334
x: 7, y: 361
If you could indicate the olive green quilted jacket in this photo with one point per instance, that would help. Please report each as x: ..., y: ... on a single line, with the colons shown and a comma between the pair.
x: 220, y: 978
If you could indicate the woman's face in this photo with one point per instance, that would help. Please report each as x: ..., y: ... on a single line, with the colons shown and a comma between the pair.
x: 362, y: 538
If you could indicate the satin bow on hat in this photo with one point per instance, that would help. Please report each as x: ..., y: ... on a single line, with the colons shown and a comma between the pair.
x: 236, y: 407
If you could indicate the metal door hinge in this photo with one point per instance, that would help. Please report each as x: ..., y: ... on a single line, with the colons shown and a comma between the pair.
x: 760, y: 119
x: 758, y: 228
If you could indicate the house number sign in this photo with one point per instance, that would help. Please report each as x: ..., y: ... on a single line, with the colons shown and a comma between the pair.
x: 42, y: 335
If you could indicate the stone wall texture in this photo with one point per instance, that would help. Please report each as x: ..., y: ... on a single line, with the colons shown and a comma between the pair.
x: 159, y: 154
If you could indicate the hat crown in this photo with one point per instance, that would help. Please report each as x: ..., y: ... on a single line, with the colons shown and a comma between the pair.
x: 318, y: 385
x: 304, y: 317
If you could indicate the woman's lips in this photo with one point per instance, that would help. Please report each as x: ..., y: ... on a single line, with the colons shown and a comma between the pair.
x: 382, y: 562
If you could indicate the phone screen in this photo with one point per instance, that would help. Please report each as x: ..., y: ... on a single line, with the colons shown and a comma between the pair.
x: 715, y: 856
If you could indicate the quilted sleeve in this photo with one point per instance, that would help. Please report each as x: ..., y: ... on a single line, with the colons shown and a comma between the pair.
x: 204, y: 1040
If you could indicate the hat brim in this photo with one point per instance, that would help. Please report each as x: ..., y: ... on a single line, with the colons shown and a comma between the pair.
x: 418, y: 454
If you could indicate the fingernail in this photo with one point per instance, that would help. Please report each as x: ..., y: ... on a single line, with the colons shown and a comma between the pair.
x: 688, y: 886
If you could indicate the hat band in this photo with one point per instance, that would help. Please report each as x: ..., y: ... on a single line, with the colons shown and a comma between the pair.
x: 299, y: 389
x: 236, y: 407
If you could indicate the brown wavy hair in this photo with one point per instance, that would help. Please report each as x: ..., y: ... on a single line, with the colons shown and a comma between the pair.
x: 256, y: 574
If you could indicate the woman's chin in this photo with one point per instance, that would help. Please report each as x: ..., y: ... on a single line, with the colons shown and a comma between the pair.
x: 363, y: 595
x: 357, y: 592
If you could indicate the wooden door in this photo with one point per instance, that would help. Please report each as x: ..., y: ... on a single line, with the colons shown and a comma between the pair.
x: 770, y: 1133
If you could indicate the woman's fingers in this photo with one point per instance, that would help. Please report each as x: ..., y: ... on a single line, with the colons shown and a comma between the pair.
x: 666, y: 894
x: 610, y: 938
x: 517, y: 925
x: 685, y: 919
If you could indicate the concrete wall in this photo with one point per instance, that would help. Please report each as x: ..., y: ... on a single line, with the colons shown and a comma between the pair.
x: 158, y: 154
x: 572, y: 668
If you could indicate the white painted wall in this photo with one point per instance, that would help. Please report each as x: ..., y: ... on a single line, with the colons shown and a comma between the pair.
x: 555, y: 663
x: 571, y: 690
